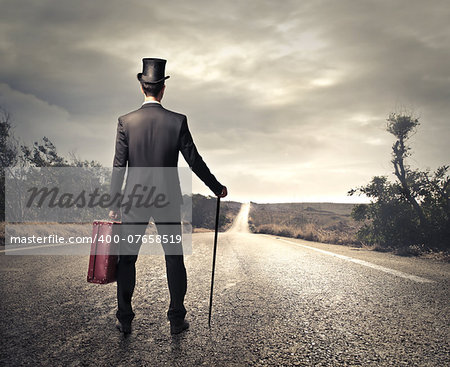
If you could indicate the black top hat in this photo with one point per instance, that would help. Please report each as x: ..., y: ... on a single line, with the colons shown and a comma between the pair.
x: 153, y: 70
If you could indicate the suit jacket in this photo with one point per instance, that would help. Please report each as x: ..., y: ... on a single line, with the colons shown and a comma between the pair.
x: 152, y: 136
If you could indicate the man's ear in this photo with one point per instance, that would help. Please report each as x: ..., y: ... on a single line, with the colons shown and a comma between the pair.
x: 142, y: 89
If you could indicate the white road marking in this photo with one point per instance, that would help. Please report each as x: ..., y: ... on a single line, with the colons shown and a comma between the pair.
x: 362, y: 262
x: 33, y: 247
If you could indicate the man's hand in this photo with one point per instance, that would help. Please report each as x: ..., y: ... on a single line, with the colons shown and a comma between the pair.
x: 223, y: 193
x: 114, y: 215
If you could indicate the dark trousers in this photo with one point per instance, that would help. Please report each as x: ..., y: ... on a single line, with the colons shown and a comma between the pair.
x: 126, y: 267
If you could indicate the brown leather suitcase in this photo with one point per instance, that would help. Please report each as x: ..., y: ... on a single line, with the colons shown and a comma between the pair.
x: 103, y: 258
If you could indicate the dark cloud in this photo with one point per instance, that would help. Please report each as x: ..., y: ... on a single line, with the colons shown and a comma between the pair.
x: 282, y: 97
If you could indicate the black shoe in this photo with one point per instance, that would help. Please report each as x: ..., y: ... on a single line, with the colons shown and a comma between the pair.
x: 124, y: 328
x: 178, y: 327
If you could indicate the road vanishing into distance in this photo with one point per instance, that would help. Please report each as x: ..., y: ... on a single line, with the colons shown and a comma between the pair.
x: 277, y: 302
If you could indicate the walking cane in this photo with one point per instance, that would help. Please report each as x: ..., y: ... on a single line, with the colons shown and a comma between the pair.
x: 214, y: 261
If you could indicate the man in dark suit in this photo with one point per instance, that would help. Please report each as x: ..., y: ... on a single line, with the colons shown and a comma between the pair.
x: 152, y: 136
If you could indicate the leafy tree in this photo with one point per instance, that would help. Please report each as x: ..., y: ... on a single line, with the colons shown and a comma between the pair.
x: 8, y: 145
x: 413, y: 211
x: 8, y: 155
x: 389, y: 221
x: 43, y: 154
x: 42, y: 165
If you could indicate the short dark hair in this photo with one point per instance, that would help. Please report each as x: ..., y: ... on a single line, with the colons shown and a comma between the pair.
x: 152, y: 89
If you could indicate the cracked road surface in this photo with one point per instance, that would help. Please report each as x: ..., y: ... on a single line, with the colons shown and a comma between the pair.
x: 277, y: 302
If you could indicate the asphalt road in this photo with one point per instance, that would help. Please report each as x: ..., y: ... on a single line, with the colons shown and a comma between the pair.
x: 277, y: 302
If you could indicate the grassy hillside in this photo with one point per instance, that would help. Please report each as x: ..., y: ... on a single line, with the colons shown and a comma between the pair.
x: 322, y: 222
x: 204, y: 212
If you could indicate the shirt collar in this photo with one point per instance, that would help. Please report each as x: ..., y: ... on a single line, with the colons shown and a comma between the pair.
x: 145, y: 102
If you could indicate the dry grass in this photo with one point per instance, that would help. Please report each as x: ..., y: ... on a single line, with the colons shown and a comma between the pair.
x: 320, y: 222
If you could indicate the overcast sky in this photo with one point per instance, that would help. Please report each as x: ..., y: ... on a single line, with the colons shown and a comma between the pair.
x: 286, y: 100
